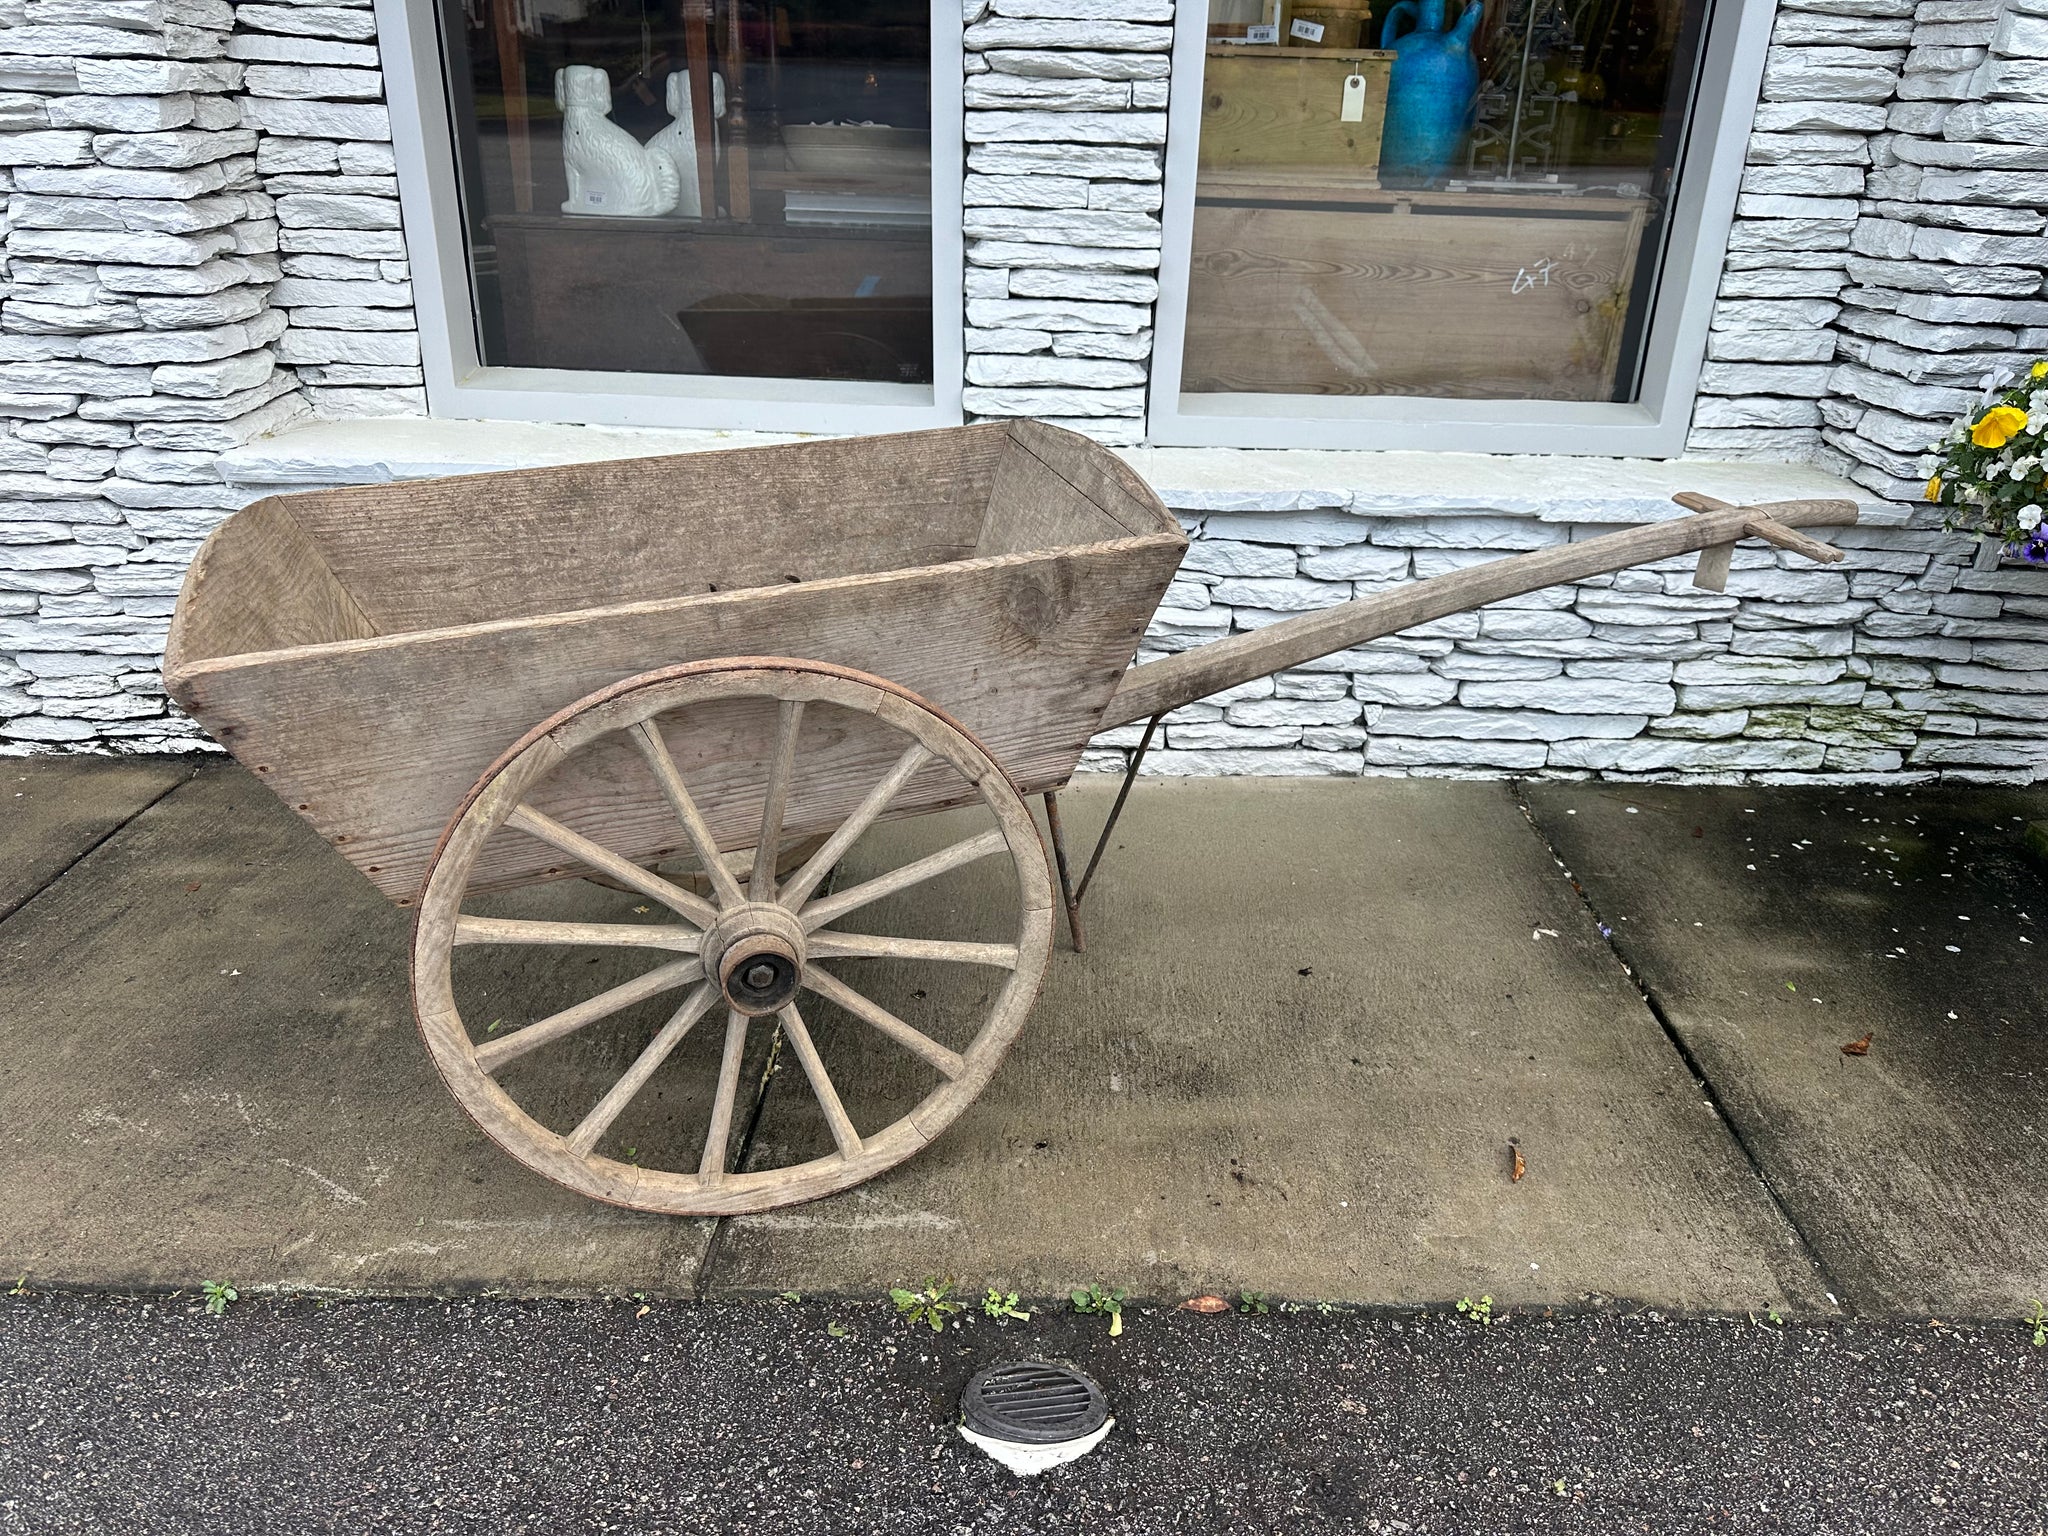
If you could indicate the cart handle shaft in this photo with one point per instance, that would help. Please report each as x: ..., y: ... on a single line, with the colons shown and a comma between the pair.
x: 1195, y: 674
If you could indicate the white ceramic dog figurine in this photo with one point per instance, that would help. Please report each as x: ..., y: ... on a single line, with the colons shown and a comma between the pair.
x: 611, y: 173
x: 678, y: 141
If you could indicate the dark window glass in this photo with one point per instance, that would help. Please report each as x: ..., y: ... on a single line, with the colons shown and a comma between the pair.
x: 1428, y: 197
x: 732, y: 187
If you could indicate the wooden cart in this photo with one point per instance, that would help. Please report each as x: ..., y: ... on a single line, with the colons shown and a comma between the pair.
x: 739, y: 662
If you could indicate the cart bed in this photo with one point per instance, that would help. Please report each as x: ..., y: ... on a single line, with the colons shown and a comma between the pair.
x: 370, y: 651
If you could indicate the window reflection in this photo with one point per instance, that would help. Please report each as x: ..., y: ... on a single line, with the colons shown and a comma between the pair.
x: 697, y: 186
x: 1434, y: 198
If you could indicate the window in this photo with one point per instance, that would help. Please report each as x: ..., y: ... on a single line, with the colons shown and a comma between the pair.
x: 1438, y: 224
x: 695, y: 212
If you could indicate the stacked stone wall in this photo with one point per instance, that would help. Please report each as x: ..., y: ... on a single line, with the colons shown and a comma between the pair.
x: 137, y: 343
x: 1895, y: 663
x: 313, y: 90
x: 1066, y: 127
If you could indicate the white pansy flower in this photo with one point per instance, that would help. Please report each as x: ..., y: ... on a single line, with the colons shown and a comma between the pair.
x: 1929, y: 463
x: 2029, y: 516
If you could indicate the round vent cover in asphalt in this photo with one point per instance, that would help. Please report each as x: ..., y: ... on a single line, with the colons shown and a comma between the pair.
x: 1031, y: 1402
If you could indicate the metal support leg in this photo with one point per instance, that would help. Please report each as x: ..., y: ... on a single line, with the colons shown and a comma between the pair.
x: 1059, y: 858
x: 1131, y: 767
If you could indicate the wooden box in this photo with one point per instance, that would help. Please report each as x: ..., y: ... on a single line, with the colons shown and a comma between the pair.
x: 1297, y: 290
x: 1280, y: 110
x: 1344, y: 26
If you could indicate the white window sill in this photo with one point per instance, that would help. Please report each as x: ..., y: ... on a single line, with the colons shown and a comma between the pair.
x: 1193, y: 480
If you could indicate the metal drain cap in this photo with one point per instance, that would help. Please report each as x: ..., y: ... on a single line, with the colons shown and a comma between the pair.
x: 1033, y: 1402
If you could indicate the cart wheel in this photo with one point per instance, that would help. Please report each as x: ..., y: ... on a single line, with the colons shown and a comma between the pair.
x: 752, y: 950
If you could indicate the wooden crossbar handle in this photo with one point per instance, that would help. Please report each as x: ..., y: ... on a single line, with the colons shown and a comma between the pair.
x: 1711, y: 574
x: 1791, y: 538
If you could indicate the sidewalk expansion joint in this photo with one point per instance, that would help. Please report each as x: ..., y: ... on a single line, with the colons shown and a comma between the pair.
x: 100, y: 842
x: 755, y: 1113
x: 1693, y: 1065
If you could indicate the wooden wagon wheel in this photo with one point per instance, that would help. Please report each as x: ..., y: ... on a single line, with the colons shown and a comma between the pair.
x: 752, y: 949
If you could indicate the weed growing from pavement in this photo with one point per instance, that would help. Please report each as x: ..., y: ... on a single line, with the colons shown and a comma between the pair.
x: 1480, y: 1311
x: 2038, y: 1321
x: 999, y: 1305
x: 838, y: 1332
x: 929, y: 1306
x: 1253, y: 1303
x: 1108, y: 1303
x: 21, y: 1287
x: 792, y: 1297
x: 218, y: 1296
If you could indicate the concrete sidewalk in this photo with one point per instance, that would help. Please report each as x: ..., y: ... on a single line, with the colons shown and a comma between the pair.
x: 1312, y: 1016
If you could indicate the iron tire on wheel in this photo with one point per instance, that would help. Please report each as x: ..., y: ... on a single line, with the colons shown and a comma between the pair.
x: 753, y: 948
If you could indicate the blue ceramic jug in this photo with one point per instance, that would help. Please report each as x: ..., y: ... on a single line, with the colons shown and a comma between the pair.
x: 1434, y: 85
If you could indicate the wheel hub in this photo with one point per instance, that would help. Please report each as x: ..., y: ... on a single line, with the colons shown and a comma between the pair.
x: 756, y: 953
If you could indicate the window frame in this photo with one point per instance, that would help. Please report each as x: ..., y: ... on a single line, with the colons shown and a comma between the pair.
x: 1686, y: 283
x: 458, y: 383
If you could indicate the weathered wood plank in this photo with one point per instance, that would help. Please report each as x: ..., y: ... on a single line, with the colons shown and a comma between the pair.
x: 474, y: 548
x: 259, y: 583
x: 1442, y: 294
x: 1032, y: 508
x: 1102, y: 477
x: 377, y: 741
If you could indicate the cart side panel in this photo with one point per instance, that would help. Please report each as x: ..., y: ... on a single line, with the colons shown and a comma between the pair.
x: 1098, y: 474
x: 379, y: 741
x: 1031, y: 508
x: 259, y: 583
x: 471, y: 549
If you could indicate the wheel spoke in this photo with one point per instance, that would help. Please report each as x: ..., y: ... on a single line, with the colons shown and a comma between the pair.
x: 833, y: 990
x: 655, y: 750
x: 789, y: 718
x: 717, y: 1140
x: 608, y: 1108
x: 821, y: 912
x: 806, y: 879
x: 843, y: 1133
x: 526, y: 819
x: 519, y: 930
x: 492, y: 1055
x: 832, y: 945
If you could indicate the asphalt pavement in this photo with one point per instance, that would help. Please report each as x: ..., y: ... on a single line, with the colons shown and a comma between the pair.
x: 501, y: 1417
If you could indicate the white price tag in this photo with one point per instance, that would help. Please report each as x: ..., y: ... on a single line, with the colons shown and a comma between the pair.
x: 1354, y: 100
x: 1307, y: 31
x: 1269, y: 33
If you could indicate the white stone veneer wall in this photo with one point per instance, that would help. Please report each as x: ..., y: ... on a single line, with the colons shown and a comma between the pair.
x: 1066, y: 124
x: 313, y: 89
x: 137, y: 343
x: 201, y: 194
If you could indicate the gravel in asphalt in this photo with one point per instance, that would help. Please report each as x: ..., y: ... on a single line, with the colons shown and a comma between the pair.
x: 493, y: 1416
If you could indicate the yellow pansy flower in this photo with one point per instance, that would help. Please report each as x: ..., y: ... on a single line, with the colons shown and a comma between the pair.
x: 1934, y: 489
x: 2041, y: 370
x: 1997, y: 426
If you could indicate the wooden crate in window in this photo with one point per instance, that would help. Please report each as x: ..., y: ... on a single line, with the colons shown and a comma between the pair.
x: 1459, y: 294
x: 1282, y: 110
